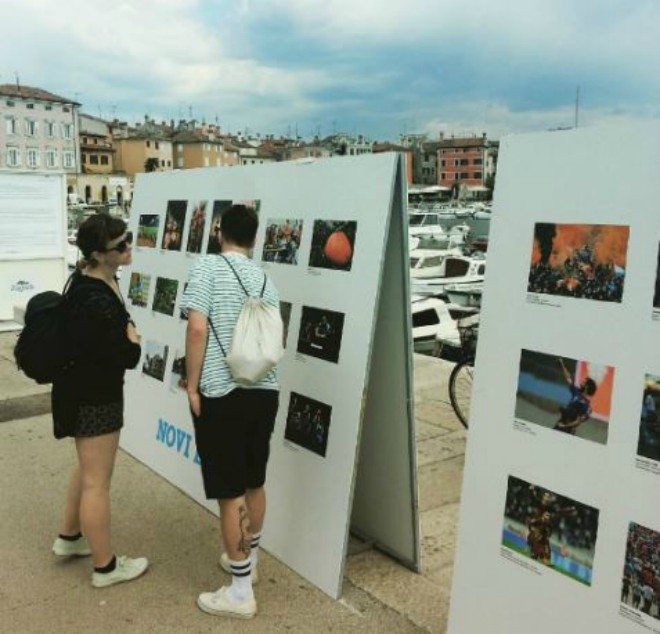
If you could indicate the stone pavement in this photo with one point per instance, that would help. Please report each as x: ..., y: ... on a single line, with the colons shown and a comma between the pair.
x: 152, y: 517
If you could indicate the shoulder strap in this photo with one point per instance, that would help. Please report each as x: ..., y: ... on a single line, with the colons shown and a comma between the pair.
x: 235, y: 274
x: 217, y: 338
x: 263, y: 288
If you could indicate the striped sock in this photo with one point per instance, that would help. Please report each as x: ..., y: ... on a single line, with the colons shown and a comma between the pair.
x: 254, y: 552
x: 241, y: 580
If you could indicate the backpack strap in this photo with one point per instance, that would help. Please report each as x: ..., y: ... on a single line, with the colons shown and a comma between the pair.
x: 217, y: 338
x: 235, y: 274
x: 263, y: 288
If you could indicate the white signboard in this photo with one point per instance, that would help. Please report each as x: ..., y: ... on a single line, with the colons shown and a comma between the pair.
x: 560, y: 512
x: 322, y: 239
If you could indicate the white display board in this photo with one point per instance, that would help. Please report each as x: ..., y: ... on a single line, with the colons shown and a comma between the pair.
x: 560, y: 510
x: 324, y: 228
x: 32, y: 237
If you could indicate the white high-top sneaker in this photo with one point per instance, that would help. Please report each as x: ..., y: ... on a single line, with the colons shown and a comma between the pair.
x: 224, y: 564
x: 67, y: 548
x: 220, y: 604
x: 126, y: 569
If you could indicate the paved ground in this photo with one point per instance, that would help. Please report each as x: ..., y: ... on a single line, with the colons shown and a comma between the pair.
x: 38, y: 594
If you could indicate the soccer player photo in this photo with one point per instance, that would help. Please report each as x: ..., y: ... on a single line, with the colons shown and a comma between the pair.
x: 285, y: 311
x: 282, y: 241
x: 219, y: 208
x: 648, y: 445
x: 138, y: 290
x: 155, y: 360
x: 320, y: 333
x: 333, y: 244
x: 148, y: 231
x: 570, y: 396
x: 640, y: 583
x: 174, y: 222
x: 165, y: 295
x: 579, y: 261
x: 552, y: 530
x: 308, y: 423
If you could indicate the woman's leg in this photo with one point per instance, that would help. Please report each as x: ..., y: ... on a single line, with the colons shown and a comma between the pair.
x: 96, y: 457
x: 71, y: 520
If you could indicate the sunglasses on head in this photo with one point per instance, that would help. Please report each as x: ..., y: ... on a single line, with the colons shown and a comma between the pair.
x: 122, y: 246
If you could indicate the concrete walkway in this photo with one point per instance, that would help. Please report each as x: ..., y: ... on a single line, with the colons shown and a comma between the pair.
x: 39, y: 594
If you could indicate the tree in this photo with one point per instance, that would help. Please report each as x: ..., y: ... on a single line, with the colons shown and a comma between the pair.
x: 151, y: 165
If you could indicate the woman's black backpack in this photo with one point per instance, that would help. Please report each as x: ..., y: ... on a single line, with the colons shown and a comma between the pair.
x: 42, y: 351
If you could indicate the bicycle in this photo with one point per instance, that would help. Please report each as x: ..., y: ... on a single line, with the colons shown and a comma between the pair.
x: 460, y: 379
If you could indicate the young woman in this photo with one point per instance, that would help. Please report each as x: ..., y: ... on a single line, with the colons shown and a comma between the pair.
x: 88, y: 402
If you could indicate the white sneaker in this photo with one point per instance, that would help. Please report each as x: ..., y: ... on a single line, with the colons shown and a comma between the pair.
x: 67, y: 548
x: 125, y: 570
x: 220, y: 604
x: 224, y: 564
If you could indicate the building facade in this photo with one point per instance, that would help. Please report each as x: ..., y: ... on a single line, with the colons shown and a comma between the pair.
x: 140, y: 152
x: 38, y: 130
x: 192, y: 148
x: 466, y: 164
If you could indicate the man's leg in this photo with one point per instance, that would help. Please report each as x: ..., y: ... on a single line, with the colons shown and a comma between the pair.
x: 237, y: 537
x: 256, y: 505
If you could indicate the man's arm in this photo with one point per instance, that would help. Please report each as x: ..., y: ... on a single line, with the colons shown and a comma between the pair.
x: 196, y: 334
x: 567, y: 375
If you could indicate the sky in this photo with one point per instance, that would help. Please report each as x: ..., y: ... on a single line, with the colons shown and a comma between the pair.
x: 381, y: 68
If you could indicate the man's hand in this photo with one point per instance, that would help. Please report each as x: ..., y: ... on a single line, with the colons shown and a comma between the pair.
x: 132, y: 333
x: 195, y: 402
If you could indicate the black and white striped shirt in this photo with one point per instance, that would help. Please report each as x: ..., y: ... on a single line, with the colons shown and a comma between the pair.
x: 214, y: 291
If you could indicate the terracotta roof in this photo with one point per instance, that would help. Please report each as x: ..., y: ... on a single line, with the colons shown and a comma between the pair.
x: 193, y: 136
x: 28, y: 92
x: 466, y: 142
x: 389, y: 147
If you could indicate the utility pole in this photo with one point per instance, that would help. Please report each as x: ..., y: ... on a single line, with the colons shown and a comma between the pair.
x: 577, y: 105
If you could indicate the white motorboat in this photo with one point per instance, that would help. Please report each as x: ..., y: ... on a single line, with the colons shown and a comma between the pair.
x: 428, y: 263
x: 465, y: 295
x: 431, y: 321
x: 425, y: 225
x: 455, y: 271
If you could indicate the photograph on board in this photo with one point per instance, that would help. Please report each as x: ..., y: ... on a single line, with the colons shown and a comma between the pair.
x: 165, y: 295
x: 138, y: 289
x: 333, y: 244
x: 308, y: 423
x: 579, y: 261
x: 179, y: 378
x: 282, y: 241
x: 551, y: 529
x: 320, y: 333
x: 648, y: 445
x: 640, y: 584
x: 568, y: 395
x: 183, y: 314
x: 148, y: 231
x: 219, y: 207
x: 175, y: 219
x: 155, y: 360
x: 196, y: 228
x: 285, y: 311
x: 656, y: 294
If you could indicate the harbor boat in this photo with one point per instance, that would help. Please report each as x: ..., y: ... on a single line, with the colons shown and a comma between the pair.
x: 465, y: 295
x: 431, y: 320
x: 428, y: 263
x: 455, y: 271
x: 425, y: 225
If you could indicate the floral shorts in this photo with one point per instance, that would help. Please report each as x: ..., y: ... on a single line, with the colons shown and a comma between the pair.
x: 97, y: 420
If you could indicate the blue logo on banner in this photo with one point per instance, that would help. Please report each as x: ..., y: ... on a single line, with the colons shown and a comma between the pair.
x: 176, y: 439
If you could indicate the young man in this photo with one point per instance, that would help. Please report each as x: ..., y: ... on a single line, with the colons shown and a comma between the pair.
x: 233, y: 423
x: 578, y: 409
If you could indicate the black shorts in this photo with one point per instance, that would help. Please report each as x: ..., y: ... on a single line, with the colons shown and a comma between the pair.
x: 232, y: 435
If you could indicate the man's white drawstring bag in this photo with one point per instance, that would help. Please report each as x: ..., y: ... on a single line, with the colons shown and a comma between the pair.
x: 256, y: 346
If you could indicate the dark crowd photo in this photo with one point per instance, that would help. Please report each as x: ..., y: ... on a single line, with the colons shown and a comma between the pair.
x: 320, y: 333
x: 308, y: 423
x: 196, y: 229
x: 282, y: 241
x: 155, y: 360
x: 571, y: 396
x: 285, y: 311
x: 648, y: 445
x: 165, y: 296
x: 147, y: 235
x: 138, y: 290
x: 333, y: 244
x: 174, y: 222
x: 219, y: 208
x: 551, y: 529
x: 182, y: 313
x: 580, y: 261
x: 640, y: 585
x: 179, y: 377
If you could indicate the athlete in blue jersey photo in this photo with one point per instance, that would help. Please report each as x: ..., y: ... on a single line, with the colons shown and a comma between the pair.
x: 578, y: 409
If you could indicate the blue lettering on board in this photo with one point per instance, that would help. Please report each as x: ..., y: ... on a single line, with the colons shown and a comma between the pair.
x: 175, y: 438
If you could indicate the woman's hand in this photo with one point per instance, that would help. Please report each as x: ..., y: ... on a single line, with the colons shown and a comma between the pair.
x: 132, y: 333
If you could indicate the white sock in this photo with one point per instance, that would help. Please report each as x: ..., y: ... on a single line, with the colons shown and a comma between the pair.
x: 254, y: 549
x: 241, y: 580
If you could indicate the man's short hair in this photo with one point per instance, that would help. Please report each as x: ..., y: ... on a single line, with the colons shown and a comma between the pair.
x: 239, y: 225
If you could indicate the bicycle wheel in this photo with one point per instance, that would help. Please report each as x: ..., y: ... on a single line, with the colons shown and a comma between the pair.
x: 460, y: 390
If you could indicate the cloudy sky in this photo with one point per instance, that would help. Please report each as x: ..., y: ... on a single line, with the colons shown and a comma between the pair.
x: 373, y: 66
